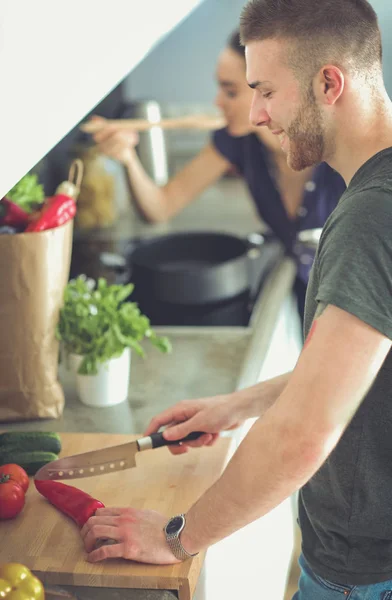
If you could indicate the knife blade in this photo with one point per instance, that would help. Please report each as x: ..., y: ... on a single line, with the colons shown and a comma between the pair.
x: 107, y: 460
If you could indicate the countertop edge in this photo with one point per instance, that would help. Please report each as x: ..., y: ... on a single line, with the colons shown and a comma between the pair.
x: 264, y: 318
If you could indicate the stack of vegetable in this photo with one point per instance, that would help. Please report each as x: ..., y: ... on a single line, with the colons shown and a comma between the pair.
x: 14, y: 483
x: 25, y: 209
x: 22, y: 453
x: 31, y: 450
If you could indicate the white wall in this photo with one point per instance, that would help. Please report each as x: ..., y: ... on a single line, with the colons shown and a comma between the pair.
x: 181, y: 69
x: 383, y: 9
x: 59, y: 59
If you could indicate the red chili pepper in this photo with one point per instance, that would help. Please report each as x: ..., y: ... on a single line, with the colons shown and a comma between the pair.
x: 11, y: 214
x: 56, y: 211
x: 68, y: 499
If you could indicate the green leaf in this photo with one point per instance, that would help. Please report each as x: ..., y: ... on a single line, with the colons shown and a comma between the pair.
x: 97, y: 323
x: 27, y: 193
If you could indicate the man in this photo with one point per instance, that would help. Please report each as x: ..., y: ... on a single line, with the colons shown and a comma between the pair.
x: 326, y: 428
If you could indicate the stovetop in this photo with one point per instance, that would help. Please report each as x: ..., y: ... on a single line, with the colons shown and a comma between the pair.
x: 113, y: 261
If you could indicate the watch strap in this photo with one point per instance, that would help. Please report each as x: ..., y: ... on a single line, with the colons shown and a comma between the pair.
x: 175, y: 544
x: 178, y: 549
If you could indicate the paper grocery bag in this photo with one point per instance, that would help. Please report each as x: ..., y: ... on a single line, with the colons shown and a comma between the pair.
x: 34, y: 270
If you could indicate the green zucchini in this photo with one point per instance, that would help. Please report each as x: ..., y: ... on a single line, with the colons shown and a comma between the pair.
x: 29, y: 461
x: 26, y: 441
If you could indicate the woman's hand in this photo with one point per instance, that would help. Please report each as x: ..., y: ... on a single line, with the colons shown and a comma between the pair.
x: 114, y: 141
x: 138, y: 534
x: 211, y: 415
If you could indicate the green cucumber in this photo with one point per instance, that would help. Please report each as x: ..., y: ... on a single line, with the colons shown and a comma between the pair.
x: 29, y: 461
x: 26, y: 441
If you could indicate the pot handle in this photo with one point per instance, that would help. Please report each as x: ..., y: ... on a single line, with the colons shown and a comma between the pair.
x: 113, y: 261
x: 118, y: 264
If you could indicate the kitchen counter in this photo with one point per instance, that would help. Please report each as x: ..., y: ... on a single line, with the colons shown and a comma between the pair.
x: 204, y: 362
x: 217, y: 360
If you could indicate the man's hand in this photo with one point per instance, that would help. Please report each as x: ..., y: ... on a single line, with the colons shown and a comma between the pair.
x: 211, y: 415
x: 139, y: 535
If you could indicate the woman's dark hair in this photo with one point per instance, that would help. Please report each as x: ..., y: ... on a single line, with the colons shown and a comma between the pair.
x: 234, y: 43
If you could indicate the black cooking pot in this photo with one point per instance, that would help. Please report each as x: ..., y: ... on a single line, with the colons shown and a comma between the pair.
x: 191, y: 268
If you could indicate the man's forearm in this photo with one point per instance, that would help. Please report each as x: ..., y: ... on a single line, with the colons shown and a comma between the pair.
x: 260, y: 397
x: 270, y: 464
x: 286, y: 446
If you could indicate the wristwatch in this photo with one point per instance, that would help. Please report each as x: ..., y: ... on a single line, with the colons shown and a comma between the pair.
x: 172, y: 531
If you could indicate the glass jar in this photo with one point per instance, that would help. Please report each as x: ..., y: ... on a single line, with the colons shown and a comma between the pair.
x: 96, y: 201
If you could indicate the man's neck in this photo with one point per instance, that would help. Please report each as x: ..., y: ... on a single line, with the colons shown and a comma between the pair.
x: 362, y: 137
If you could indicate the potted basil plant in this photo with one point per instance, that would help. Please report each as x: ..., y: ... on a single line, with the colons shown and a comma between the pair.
x: 98, y: 329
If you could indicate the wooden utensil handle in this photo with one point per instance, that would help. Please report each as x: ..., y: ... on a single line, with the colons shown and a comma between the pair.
x: 204, y: 122
x: 158, y: 440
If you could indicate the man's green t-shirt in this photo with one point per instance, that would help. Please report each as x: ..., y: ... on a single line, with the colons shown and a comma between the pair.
x: 345, y: 510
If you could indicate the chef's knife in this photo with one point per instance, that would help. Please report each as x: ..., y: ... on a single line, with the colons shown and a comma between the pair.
x: 107, y: 460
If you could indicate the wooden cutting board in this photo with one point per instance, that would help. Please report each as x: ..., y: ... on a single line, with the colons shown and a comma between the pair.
x: 49, y: 543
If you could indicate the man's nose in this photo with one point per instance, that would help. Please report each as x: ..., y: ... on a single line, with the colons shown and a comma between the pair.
x: 259, y: 117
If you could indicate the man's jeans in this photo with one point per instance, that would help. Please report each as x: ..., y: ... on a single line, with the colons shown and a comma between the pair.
x: 313, y: 587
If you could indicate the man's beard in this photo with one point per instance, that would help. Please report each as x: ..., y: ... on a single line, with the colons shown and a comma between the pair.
x: 306, y: 136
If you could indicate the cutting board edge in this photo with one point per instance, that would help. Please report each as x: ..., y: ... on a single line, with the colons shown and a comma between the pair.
x: 169, y: 582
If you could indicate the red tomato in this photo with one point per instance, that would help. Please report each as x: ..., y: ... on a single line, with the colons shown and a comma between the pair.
x: 12, y: 499
x: 17, y: 474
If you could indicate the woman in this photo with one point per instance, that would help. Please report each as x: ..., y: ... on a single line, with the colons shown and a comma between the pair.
x: 287, y: 201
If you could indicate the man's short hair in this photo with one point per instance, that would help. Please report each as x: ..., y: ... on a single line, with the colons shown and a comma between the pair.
x: 340, y: 32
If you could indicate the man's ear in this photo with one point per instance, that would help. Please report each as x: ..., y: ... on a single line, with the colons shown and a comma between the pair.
x: 330, y: 84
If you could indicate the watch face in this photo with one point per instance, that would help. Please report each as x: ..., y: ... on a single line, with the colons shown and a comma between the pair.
x: 174, y: 526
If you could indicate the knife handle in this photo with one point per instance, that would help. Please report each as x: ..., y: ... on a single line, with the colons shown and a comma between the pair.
x: 157, y: 439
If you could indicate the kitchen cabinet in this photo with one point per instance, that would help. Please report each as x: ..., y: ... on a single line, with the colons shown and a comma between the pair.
x: 59, y: 59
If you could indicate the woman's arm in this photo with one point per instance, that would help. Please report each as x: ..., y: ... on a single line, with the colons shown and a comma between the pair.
x: 157, y: 203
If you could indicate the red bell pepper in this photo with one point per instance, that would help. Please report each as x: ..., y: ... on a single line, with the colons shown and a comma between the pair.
x: 68, y: 499
x: 11, y: 214
x: 57, y: 210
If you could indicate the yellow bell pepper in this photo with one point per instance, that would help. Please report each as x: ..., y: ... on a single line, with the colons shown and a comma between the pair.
x: 18, y: 583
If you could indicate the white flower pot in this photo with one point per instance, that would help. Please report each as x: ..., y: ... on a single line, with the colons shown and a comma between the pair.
x: 109, y: 386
